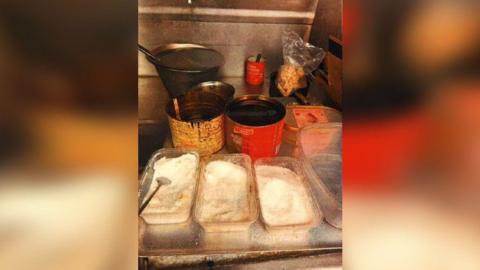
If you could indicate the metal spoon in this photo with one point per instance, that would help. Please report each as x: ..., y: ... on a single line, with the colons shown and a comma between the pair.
x: 161, y: 181
x: 144, y: 186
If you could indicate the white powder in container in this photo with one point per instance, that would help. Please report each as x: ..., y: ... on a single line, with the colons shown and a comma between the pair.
x: 283, y: 197
x: 172, y: 202
x: 225, y: 192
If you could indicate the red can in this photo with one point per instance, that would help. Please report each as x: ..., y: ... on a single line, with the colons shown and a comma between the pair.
x: 255, y: 71
x: 254, y: 126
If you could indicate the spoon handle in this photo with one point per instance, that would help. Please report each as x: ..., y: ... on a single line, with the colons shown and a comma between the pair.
x: 149, y: 198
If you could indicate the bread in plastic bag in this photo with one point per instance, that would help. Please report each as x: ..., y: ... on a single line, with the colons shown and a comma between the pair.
x: 300, y: 58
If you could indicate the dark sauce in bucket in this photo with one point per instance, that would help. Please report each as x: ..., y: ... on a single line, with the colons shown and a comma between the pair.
x: 201, y: 123
x: 199, y: 114
x: 197, y: 106
x: 255, y: 111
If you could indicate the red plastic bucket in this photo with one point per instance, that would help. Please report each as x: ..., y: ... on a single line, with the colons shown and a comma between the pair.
x: 254, y: 126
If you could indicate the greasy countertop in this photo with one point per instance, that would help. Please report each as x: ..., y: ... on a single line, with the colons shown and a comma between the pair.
x: 154, y: 134
x: 312, y: 260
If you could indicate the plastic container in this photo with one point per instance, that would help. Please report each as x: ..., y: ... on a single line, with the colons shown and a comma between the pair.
x: 228, y: 226
x: 299, y: 116
x: 320, y: 146
x: 313, y: 209
x: 328, y: 167
x: 183, y: 216
x: 325, y: 171
x: 323, y: 138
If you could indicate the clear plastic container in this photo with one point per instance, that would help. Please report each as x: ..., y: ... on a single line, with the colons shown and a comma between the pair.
x: 153, y: 215
x: 320, y: 146
x: 325, y: 171
x: 251, y: 214
x: 299, y: 116
x: 314, y: 212
x: 323, y: 138
x: 329, y: 168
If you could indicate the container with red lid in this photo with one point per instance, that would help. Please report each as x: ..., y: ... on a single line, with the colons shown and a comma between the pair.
x: 299, y: 116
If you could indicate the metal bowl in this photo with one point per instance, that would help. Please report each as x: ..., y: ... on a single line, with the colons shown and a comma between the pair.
x: 221, y: 89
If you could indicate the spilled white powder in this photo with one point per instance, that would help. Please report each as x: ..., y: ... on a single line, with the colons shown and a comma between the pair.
x: 283, y: 198
x: 177, y: 196
x: 225, y: 192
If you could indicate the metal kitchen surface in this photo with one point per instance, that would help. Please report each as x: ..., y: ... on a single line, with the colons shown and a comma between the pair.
x: 156, y: 241
x: 258, y: 27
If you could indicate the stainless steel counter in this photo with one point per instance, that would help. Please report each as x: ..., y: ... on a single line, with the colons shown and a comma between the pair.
x: 237, y: 29
x: 321, y: 260
x: 325, y: 249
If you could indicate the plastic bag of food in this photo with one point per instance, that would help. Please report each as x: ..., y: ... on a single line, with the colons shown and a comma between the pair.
x: 300, y: 58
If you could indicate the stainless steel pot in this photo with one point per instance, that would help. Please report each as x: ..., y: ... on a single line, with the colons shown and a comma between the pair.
x: 221, y: 89
x: 183, y: 65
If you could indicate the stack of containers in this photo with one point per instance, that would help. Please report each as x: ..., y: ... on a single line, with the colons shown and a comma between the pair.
x: 320, y: 146
x: 300, y: 116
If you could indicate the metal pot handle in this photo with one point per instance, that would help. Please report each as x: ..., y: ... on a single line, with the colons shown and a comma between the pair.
x: 150, y: 57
